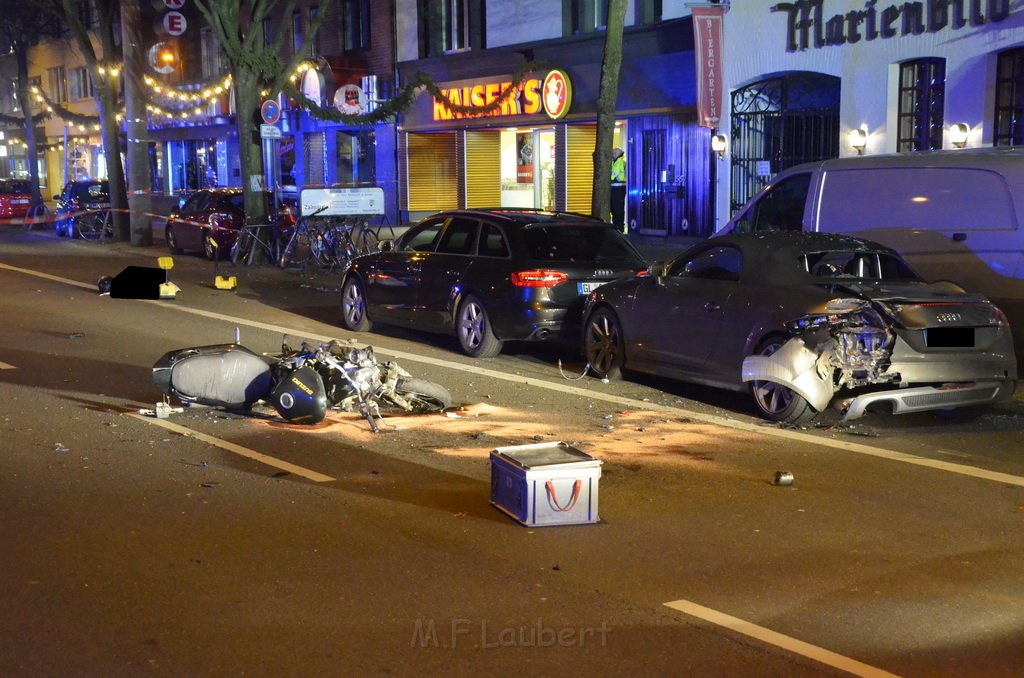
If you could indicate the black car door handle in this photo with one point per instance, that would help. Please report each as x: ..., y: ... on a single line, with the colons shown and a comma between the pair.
x: 959, y: 237
x: 711, y: 307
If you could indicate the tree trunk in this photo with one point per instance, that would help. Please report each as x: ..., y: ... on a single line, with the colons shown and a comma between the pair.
x: 140, y: 197
x: 250, y: 151
x: 25, y: 103
x: 606, y: 99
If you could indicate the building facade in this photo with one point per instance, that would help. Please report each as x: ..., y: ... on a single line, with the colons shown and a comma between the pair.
x: 815, y: 79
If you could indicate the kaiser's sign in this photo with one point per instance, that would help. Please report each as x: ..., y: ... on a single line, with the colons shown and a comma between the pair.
x: 550, y: 93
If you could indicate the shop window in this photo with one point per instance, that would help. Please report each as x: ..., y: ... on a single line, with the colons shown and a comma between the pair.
x: 922, y: 95
x: 1009, y: 124
x: 447, y: 26
x: 585, y: 16
x: 355, y: 25
x: 314, y: 43
x: 356, y: 157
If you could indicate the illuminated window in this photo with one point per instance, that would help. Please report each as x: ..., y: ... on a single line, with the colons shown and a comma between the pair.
x: 1009, y: 123
x: 922, y: 97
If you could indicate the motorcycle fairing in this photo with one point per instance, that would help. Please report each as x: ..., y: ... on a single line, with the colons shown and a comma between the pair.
x: 223, y: 375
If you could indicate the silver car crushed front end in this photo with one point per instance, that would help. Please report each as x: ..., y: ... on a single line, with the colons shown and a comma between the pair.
x: 910, y: 356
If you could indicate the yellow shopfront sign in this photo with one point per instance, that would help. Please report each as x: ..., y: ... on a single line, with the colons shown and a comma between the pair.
x: 551, y: 94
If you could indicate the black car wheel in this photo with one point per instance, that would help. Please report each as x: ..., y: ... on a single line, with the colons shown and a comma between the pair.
x: 775, y: 401
x: 603, y: 344
x: 172, y: 241
x: 473, y: 327
x: 353, y: 306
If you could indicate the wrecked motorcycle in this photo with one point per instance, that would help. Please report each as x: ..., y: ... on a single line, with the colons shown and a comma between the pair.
x: 300, y: 384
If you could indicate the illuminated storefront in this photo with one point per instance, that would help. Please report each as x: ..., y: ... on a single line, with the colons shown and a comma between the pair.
x: 536, y: 148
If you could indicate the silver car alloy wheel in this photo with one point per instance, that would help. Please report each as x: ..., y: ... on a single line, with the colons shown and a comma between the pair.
x: 472, y: 324
x: 603, y: 343
x: 771, y: 397
x: 353, y: 304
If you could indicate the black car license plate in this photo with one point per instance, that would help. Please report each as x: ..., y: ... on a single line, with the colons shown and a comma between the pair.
x: 949, y: 337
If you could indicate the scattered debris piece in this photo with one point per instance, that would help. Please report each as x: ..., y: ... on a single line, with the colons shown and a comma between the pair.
x: 210, y: 485
x: 76, y: 335
x: 782, y: 478
x: 59, y: 447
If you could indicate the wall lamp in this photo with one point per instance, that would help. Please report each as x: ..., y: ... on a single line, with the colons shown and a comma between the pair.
x: 958, y: 134
x: 719, y: 144
x: 858, y: 140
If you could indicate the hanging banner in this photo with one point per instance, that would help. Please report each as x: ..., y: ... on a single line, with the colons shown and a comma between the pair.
x: 708, y: 48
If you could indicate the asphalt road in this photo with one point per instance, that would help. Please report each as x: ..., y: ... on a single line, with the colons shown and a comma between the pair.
x: 133, y: 545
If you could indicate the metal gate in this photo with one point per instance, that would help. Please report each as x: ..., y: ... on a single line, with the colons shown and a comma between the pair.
x: 778, y: 123
x: 652, y: 209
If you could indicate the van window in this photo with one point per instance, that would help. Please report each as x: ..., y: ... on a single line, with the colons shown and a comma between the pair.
x: 933, y: 198
x: 781, y: 208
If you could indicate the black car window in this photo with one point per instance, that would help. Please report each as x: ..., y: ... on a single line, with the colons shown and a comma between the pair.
x: 492, y: 242
x: 422, y: 237
x: 716, y: 263
x: 847, y: 264
x: 578, y: 242
x: 14, y: 186
x: 459, y: 236
x: 782, y: 207
x: 97, y: 193
x: 234, y: 202
x: 195, y: 203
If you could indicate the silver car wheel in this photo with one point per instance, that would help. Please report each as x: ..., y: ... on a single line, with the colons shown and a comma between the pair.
x: 353, y: 306
x: 473, y: 327
x: 776, y: 401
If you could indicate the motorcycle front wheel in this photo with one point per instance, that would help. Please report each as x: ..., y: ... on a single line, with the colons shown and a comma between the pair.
x: 423, y: 395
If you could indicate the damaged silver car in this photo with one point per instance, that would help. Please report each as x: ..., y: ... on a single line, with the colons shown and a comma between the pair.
x: 804, y: 321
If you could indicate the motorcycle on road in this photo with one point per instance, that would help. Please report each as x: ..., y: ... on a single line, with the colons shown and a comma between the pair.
x: 300, y: 384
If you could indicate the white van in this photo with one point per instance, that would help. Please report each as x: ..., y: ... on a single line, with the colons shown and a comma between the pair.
x: 954, y: 215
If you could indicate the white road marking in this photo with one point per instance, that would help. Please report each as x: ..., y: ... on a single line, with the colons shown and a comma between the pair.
x: 47, y: 276
x: 629, y: 403
x: 6, y: 366
x: 239, y: 450
x: 785, y: 642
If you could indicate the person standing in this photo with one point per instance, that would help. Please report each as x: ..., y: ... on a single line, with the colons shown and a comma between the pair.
x: 618, y: 189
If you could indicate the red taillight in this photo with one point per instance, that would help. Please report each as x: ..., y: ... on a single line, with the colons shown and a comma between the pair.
x: 538, y: 278
x: 1001, y: 318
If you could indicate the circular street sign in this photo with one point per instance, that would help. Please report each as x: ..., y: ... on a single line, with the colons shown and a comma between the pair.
x: 350, y: 99
x: 271, y: 111
x: 175, y: 23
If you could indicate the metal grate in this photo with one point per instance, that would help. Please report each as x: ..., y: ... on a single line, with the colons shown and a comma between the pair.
x: 778, y: 123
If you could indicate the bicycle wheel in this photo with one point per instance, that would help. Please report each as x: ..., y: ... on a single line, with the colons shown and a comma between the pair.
x: 368, y: 239
x: 298, y: 250
x: 91, y: 226
x: 240, y: 248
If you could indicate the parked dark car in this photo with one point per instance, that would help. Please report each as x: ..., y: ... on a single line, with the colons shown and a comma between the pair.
x: 83, y: 209
x: 804, y: 320
x: 212, y: 215
x: 15, y: 198
x: 488, y: 276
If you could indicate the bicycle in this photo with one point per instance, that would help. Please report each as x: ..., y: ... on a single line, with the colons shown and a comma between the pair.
x: 38, y: 214
x: 93, y: 225
x: 329, y: 242
x: 249, y: 242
